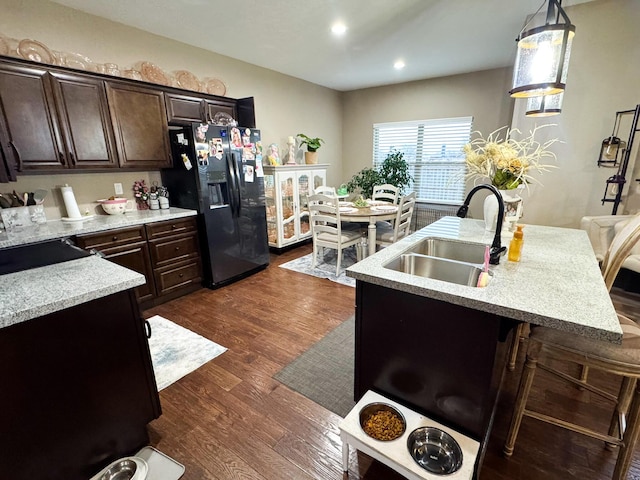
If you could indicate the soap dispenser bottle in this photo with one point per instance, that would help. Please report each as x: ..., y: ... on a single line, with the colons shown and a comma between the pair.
x: 515, y: 247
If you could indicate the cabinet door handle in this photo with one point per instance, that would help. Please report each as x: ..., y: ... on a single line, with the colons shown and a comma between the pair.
x: 181, y: 275
x: 61, y: 157
x: 114, y: 239
x: 15, y: 149
x: 173, y: 227
x: 177, y: 248
x: 147, y: 327
x: 73, y: 158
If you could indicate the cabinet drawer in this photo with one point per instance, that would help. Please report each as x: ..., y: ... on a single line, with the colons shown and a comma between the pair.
x: 111, y: 238
x: 173, y: 249
x: 173, y: 227
x: 173, y: 278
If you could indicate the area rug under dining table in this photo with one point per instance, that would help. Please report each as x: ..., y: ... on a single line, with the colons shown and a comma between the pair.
x: 325, y: 372
x: 326, y: 265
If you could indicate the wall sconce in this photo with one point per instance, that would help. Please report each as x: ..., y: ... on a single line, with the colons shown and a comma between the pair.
x: 611, y: 152
x: 613, y: 148
x: 545, y: 105
x: 542, y: 59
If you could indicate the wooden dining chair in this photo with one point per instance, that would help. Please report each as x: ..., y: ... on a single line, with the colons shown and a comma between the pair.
x: 386, y: 193
x: 327, y: 230
x: 387, y: 235
x: 622, y: 360
x: 325, y: 190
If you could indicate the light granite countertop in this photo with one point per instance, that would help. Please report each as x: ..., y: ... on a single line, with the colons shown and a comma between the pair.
x: 39, y: 291
x: 557, y: 282
x: 59, y: 229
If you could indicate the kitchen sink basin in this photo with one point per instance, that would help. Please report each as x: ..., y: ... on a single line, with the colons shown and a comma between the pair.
x: 25, y: 257
x: 451, y: 249
x: 443, y: 269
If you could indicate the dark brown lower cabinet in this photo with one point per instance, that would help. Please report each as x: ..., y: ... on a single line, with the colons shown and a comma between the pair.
x: 126, y: 247
x: 167, y: 253
x: 78, y: 390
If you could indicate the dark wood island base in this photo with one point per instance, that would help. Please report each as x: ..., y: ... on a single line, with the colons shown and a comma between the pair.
x: 442, y: 360
x: 78, y: 390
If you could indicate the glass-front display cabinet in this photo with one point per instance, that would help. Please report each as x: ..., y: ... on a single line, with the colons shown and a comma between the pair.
x: 286, y: 189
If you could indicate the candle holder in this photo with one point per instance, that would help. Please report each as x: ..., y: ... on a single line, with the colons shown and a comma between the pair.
x: 292, y: 151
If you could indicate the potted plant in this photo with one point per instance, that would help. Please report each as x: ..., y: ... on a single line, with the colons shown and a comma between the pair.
x: 394, y: 171
x: 313, y: 144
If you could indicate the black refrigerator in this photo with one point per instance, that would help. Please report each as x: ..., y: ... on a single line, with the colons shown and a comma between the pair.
x: 217, y: 170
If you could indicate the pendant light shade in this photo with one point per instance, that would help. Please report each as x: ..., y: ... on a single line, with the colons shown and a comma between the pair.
x: 545, y: 105
x: 542, y: 59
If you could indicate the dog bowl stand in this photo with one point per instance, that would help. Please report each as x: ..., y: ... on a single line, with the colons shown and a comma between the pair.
x: 395, y: 453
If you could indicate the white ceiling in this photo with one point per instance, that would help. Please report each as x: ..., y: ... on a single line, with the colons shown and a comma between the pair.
x: 434, y: 37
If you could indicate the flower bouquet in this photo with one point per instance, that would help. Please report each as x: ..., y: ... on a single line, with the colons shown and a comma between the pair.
x: 508, y: 162
x: 141, y: 194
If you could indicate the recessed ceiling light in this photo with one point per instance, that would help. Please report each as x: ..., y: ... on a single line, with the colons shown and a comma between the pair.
x: 399, y: 65
x: 338, y: 28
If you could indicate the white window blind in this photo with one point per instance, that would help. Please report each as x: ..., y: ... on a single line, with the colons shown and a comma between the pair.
x: 433, y: 150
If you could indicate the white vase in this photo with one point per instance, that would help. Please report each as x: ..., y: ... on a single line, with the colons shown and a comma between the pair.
x: 490, y: 212
x: 513, y: 209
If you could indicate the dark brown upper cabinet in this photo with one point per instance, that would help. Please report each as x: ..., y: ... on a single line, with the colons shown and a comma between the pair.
x: 59, y: 119
x: 29, y: 129
x: 182, y: 109
x: 140, y: 126
x: 54, y: 121
x: 82, y: 107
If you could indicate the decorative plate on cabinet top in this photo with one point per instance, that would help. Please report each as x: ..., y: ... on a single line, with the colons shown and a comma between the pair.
x: 187, y: 80
x: 132, y: 74
x: 34, y: 51
x: 214, y: 86
x: 154, y: 74
x: 75, y: 60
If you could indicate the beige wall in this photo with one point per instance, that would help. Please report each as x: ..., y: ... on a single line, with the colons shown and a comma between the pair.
x: 481, y: 95
x: 284, y: 105
x: 603, y: 78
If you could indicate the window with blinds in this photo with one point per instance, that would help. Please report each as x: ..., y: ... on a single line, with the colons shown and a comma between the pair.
x: 433, y: 150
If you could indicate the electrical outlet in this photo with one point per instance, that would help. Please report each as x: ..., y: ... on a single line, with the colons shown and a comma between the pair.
x: 118, y: 188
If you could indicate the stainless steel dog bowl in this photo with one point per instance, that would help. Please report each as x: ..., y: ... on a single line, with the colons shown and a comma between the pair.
x: 435, y: 450
x: 373, y: 408
x: 129, y: 468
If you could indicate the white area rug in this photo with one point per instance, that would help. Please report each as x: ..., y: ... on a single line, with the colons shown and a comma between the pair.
x: 177, y: 351
x: 326, y: 266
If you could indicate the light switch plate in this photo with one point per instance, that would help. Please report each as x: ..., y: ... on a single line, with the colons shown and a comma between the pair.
x: 118, y: 188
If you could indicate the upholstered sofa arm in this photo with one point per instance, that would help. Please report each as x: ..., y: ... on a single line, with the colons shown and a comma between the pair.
x: 601, y: 230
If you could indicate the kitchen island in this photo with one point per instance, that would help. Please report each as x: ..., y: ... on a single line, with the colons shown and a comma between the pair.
x: 78, y: 384
x: 440, y: 348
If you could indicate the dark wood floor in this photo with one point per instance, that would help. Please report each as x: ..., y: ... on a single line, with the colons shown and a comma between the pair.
x: 231, y: 420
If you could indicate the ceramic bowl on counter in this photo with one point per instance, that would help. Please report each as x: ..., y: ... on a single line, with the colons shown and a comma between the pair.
x: 116, y: 206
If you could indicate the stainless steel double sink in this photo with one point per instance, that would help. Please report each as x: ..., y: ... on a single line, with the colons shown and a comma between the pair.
x: 444, y: 259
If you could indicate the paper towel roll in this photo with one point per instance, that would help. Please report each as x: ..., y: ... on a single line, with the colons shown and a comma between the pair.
x: 70, y: 202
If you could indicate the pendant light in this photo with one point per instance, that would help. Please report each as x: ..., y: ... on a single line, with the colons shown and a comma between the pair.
x: 544, y: 105
x: 542, y: 59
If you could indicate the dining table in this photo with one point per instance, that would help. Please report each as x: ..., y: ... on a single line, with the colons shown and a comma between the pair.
x: 374, y: 211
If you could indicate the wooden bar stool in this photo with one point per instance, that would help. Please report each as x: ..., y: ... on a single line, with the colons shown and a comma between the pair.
x: 623, y: 360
